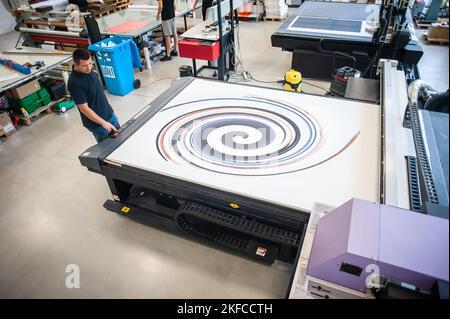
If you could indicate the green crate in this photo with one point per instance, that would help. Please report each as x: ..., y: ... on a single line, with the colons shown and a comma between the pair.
x: 45, y: 101
x: 44, y: 96
x: 33, y: 107
x: 43, y: 93
x: 25, y: 102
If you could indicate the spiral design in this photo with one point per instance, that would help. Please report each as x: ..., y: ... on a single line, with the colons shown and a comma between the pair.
x: 245, y: 136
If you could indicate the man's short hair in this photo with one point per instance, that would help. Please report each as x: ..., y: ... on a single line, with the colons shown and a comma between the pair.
x: 80, y: 54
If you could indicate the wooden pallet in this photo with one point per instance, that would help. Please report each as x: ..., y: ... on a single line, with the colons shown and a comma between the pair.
x: 440, y: 41
x: 275, y: 18
x: 27, y: 120
x: 120, y: 2
x: 422, y: 25
x: 99, y: 6
x: 109, y: 11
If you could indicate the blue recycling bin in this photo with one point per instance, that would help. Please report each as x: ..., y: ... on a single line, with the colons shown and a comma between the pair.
x: 116, y: 64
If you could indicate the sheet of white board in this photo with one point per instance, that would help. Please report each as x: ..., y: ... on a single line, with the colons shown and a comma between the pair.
x: 364, y: 30
x: 287, y: 148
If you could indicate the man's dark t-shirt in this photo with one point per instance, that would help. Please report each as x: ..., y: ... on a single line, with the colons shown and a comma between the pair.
x: 205, y: 5
x: 86, y: 88
x: 168, y: 10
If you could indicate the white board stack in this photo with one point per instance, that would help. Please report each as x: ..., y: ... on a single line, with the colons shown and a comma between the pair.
x: 276, y: 8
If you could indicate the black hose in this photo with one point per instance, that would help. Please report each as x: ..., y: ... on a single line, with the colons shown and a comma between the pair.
x: 322, y: 50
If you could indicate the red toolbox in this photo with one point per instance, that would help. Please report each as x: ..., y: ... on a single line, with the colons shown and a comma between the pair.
x: 199, y: 49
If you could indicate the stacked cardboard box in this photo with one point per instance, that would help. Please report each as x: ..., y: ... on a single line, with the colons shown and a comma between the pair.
x: 24, y: 90
x: 6, y: 126
x: 276, y: 8
x: 28, y: 97
x: 438, y: 32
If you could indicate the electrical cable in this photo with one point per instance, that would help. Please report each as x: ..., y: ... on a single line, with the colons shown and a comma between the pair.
x: 334, y: 53
x: 154, y: 82
x: 246, y: 76
x: 243, y: 75
x: 316, y: 86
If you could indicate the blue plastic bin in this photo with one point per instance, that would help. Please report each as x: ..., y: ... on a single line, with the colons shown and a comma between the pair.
x: 116, y: 64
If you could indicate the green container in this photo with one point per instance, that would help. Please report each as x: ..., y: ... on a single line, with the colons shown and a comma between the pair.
x: 33, y: 107
x: 45, y: 101
x: 65, y: 105
x: 44, y: 96
x: 25, y: 102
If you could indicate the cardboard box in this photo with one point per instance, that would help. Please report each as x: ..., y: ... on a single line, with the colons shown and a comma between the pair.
x: 6, y: 126
x: 24, y: 90
x: 438, y: 31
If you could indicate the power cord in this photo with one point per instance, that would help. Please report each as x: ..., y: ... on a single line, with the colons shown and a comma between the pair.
x: 245, y: 76
x: 316, y: 86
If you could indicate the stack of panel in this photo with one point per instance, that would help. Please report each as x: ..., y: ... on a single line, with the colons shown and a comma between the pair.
x: 276, y: 8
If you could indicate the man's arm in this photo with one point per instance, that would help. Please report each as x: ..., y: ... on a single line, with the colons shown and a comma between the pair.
x: 174, y: 6
x: 79, y: 97
x: 160, y: 6
x: 194, y: 5
x: 90, y: 114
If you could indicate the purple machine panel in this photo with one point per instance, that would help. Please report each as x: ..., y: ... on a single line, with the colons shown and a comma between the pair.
x: 360, y: 237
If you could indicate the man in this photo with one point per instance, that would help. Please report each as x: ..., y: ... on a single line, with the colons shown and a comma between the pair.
x: 86, y: 89
x: 205, y: 5
x: 166, y: 9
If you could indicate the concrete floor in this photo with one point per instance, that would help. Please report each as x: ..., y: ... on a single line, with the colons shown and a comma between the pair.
x: 433, y: 66
x: 51, y: 213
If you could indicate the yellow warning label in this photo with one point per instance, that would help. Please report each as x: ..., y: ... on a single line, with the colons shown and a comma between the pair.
x: 125, y: 209
x: 233, y: 205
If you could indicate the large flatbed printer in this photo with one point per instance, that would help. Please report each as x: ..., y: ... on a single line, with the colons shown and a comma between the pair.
x: 241, y: 167
x: 324, y: 36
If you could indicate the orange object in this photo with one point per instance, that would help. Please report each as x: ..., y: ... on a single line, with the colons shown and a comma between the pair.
x: 128, y: 26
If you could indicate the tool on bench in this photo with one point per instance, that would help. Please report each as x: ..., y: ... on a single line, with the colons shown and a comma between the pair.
x: 37, y: 64
x: 10, y: 64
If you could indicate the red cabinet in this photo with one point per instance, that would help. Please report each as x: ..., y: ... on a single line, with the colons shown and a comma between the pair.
x: 199, y: 49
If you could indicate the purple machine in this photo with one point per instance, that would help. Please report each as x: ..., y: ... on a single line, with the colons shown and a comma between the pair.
x: 360, y: 237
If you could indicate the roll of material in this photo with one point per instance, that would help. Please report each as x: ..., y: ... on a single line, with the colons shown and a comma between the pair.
x: 56, y: 4
x: 50, y: 32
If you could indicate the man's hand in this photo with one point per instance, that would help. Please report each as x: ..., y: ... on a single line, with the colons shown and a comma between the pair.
x: 87, y: 111
x: 157, y: 17
x: 110, y: 128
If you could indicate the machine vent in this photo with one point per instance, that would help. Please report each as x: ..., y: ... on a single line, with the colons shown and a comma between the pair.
x: 415, y: 200
x: 351, y: 269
